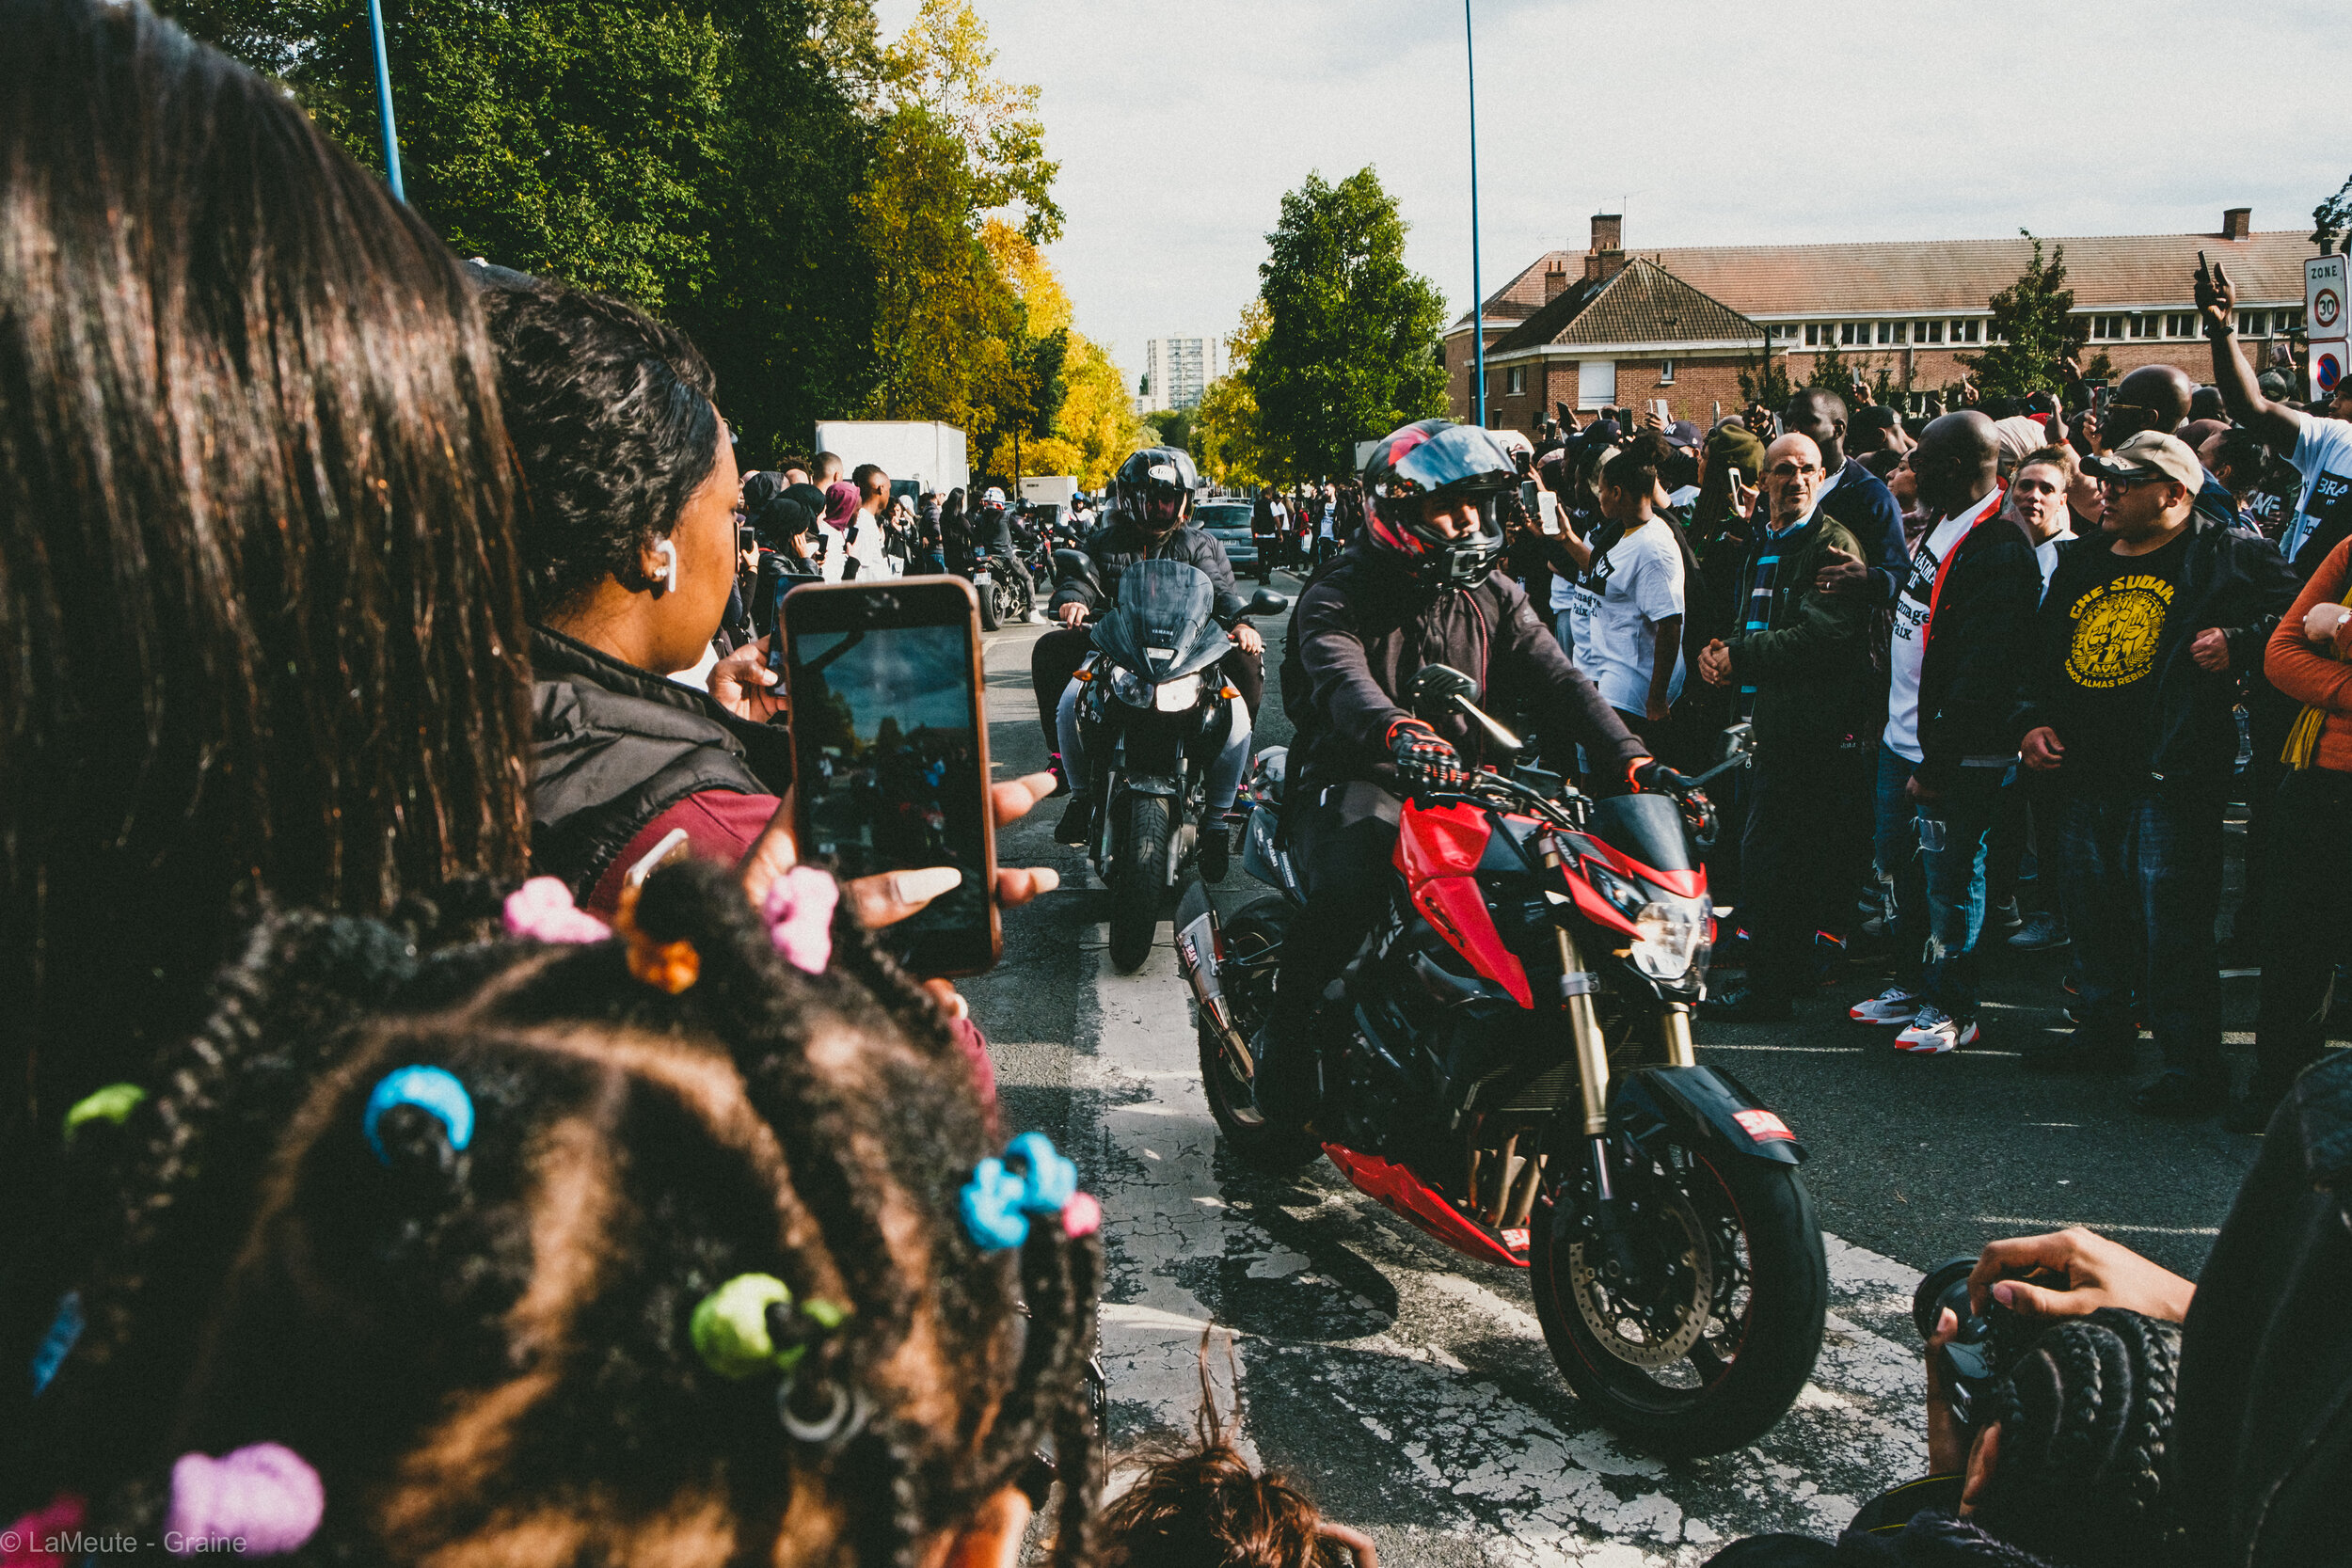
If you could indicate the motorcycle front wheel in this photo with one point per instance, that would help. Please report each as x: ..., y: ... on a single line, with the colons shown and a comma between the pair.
x: 1709, y: 1340
x: 1253, y: 945
x: 1138, y: 877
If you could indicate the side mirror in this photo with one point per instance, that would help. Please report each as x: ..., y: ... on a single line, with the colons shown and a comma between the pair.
x: 1076, y: 566
x: 1436, y: 687
x: 1267, y: 602
x: 1739, y: 740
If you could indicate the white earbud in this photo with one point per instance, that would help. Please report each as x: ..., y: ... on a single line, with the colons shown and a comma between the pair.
x: 667, y: 580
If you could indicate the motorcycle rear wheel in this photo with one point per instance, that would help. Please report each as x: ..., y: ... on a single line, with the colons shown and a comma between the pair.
x: 988, y: 607
x: 1767, y: 1287
x: 1253, y: 940
x: 1139, y: 878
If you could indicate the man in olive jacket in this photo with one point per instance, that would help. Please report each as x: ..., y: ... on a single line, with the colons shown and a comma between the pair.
x: 1789, y: 667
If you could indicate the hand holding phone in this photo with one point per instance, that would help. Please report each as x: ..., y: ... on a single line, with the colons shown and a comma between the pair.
x: 891, y: 745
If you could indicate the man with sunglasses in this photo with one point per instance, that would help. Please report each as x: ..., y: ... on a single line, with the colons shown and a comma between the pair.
x: 2129, y: 713
x: 2156, y: 397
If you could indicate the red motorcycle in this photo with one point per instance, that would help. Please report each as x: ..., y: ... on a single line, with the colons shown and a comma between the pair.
x: 1508, y: 1065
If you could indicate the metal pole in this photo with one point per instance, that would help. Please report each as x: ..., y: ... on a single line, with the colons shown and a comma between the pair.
x: 383, y: 102
x: 1478, y: 293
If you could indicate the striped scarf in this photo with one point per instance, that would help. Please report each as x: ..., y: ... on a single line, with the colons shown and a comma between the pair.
x: 2303, y: 740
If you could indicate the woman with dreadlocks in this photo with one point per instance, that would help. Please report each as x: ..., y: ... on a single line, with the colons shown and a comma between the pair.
x: 685, y: 1241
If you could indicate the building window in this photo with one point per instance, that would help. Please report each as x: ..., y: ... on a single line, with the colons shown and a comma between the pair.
x: 1515, y: 381
x: 1666, y: 372
x: 1787, y: 332
x: 1851, y: 333
x: 1968, y: 332
x: 1927, y: 332
x: 1812, y: 336
x: 2289, y: 321
x: 2180, y: 324
x: 1596, y: 383
x: 2253, y: 323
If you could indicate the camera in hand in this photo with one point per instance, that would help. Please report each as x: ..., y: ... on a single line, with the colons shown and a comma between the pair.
x: 1985, y: 1347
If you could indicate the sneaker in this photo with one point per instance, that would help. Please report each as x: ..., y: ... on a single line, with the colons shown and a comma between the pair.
x: 2042, y: 933
x: 1077, y: 824
x: 1933, y: 1032
x: 2178, y: 1092
x: 1895, y: 1005
x: 2005, y: 915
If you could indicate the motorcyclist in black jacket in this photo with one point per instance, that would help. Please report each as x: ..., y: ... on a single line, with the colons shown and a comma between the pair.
x: 1418, y: 587
x: 992, y: 531
x: 1149, y: 512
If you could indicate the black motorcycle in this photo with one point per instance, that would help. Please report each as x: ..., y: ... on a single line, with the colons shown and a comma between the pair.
x: 1155, y: 716
x: 1004, y: 597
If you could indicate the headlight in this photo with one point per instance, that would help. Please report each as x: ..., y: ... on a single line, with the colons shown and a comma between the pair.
x: 1177, y: 696
x: 1668, y: 939
x: 1129, y: 687
x: 1629, y: 899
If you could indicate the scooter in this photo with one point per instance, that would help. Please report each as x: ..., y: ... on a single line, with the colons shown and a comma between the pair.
x: 1508, y: 1064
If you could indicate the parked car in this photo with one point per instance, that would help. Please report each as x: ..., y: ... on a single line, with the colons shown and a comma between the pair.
x: 1229, y: 522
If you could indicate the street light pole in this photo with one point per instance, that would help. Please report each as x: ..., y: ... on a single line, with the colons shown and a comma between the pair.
x: 384, y: 103
x: 1478, y: 294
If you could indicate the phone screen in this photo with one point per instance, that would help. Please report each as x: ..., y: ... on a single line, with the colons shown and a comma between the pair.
x: 891, y: 746
x: 1548, y: 510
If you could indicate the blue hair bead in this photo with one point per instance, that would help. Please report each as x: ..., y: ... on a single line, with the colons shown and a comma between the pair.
x: 991, y: 1207
x: 1052, y: 1180
x: 65, y: 1330
x: 432, y: 1089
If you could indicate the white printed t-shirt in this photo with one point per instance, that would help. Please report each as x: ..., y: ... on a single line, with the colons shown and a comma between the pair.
x: 2323, y: 456
x: 1909, y: 645
x: 1637, y: 584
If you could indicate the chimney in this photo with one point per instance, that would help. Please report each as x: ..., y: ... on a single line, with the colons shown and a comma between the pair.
x: 1555, y: 282
x: 1607, y: 257
x: 2236, y: 222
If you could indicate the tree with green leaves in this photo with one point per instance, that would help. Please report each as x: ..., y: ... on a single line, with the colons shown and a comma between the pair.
x: 1350, y: 348
x: 2033, y: 329
x: 1766, y: 381
x: 1229, y: 438
x: 2331, y: 217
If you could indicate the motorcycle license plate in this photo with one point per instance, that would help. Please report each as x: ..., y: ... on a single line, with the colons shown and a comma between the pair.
x: 980, y: 579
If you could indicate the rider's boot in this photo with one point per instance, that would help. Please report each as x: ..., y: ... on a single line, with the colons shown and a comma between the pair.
x: 1288, y: 1084
x: 1077, y: 823
x: 1216, y: 844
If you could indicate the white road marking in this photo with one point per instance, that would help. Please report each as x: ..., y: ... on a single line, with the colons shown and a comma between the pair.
x: 1463, y: 1419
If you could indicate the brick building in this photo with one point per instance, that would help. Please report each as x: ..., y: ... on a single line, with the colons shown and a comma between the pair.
x: 1610, y: 326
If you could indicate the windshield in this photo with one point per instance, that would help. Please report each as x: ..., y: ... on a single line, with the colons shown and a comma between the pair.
x: 1221, y: 519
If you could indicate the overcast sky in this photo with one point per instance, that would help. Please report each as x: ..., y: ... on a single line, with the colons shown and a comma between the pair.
x: 1180, y: 123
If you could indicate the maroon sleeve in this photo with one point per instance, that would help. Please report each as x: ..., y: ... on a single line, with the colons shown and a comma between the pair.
x: 721, y: 825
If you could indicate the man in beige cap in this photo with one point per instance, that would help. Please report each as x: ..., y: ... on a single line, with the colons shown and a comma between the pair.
x: 2129, y: 700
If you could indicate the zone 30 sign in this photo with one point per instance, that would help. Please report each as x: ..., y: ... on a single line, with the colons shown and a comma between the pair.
x: 2324, y: 315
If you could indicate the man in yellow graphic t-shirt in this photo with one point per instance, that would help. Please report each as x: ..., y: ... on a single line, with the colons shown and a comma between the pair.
x: 2142, y: 636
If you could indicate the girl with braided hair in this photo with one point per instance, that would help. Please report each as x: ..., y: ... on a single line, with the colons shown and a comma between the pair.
x: 690, y: 1245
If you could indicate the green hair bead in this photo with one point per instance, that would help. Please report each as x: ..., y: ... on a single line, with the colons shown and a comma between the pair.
x: 730, y: 1325
x: 114, y: 1104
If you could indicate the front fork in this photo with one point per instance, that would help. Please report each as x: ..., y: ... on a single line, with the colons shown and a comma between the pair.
x: 1577, y: 985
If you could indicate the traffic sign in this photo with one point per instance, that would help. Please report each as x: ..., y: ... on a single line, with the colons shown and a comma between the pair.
x: 2324, y: 321
x: 2327, y: 369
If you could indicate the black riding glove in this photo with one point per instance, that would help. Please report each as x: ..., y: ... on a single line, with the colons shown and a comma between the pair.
x: 1697, y: 810
x: 1423, y: 759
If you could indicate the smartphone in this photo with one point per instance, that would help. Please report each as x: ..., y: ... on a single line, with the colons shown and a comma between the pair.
x: 745, y: 538
x: 1548, y: 507
x: 1529, y: 493
x: 890, y: 743
x: 1665, y: 415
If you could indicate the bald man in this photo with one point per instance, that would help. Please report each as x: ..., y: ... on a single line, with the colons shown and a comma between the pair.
x: 1791, y: 668
x: 2156, y: 397
x: 1954, y: 679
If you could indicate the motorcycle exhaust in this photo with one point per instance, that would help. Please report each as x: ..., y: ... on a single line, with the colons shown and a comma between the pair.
x: 1200, y: 949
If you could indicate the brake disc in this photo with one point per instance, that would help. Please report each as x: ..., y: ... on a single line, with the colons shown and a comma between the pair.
x: 1629, y: 1332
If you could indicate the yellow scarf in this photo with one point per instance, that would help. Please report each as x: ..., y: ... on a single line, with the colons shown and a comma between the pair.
x: 2303, y: 740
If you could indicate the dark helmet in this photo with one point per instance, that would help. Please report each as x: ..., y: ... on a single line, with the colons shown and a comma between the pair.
x: 1437, y: 457
x: 1155, y: 473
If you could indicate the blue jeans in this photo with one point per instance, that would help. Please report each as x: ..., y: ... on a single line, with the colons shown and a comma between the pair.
x: 2140, y: 872
x: 1931, y: 858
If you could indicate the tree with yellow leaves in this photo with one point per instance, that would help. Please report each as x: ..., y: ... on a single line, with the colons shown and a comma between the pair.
x: 1229, y: 440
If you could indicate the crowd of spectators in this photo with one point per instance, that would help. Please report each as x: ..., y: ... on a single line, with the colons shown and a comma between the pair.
x: 391, y: 1174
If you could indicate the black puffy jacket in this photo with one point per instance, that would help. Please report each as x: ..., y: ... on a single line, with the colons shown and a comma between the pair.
x: 1972, y: 672
x: 612, y: 746
x: 1365, y: 626
x: 1118, y: 545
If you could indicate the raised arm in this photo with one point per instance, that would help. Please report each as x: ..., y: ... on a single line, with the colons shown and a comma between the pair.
x: 2217, y: 301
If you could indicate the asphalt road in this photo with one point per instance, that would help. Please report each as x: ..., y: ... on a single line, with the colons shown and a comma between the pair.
x: 1408, y: 1388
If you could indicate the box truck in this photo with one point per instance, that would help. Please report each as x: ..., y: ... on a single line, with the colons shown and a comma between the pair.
x: 917, y: 454
x: 1049, y: 489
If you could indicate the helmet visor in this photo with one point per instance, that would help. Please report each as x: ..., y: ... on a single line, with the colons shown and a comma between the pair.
x: 1458, y: 457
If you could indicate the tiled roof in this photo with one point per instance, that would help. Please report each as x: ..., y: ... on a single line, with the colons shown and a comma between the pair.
x: 1901, y: 278
x: 1642, y: 304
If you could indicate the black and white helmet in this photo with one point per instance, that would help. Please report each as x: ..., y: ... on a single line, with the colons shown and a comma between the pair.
x: 1162, y: 474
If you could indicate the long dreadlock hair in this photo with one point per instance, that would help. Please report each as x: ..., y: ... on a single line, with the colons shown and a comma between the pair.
x: 484, y: 1353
